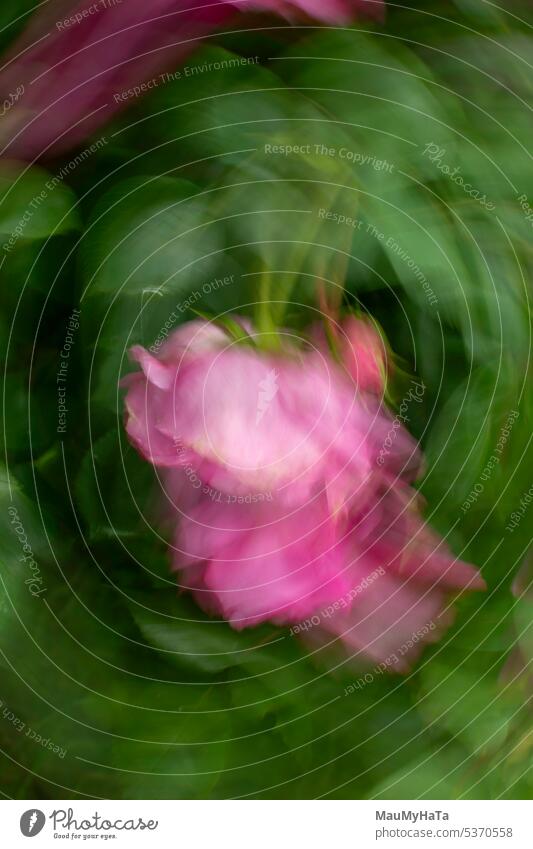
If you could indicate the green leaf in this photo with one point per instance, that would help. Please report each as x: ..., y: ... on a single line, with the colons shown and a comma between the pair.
x: 33, y: 205
x: 469, y: 704
x: 177, y: 626
x: 149, y: 236
x: 431, y: 776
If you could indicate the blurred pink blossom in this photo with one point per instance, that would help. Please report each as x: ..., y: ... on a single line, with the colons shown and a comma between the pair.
x: 364, y: 354
x: 331, y: 12
x: 284, y: 517
x: 78, y: 63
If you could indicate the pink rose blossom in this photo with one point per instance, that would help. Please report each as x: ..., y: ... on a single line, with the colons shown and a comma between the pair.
x: 78, y: 63
x: 364, y: 354
x: 331, y: 12
x: 282, y: 511
x: 250, y: 421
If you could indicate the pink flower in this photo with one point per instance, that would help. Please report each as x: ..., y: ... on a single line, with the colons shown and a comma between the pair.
x: 250, y: 421
x: 332, y: 12
x: 79, y: 63
x: 378, y: 579
x: 256, y: 561
x: 364, y: 354
x: 287, y: 508
x: 359, y: 347
x: 76, y: 66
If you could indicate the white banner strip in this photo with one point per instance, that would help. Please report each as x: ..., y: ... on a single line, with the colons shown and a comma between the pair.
x: 267, y: 824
